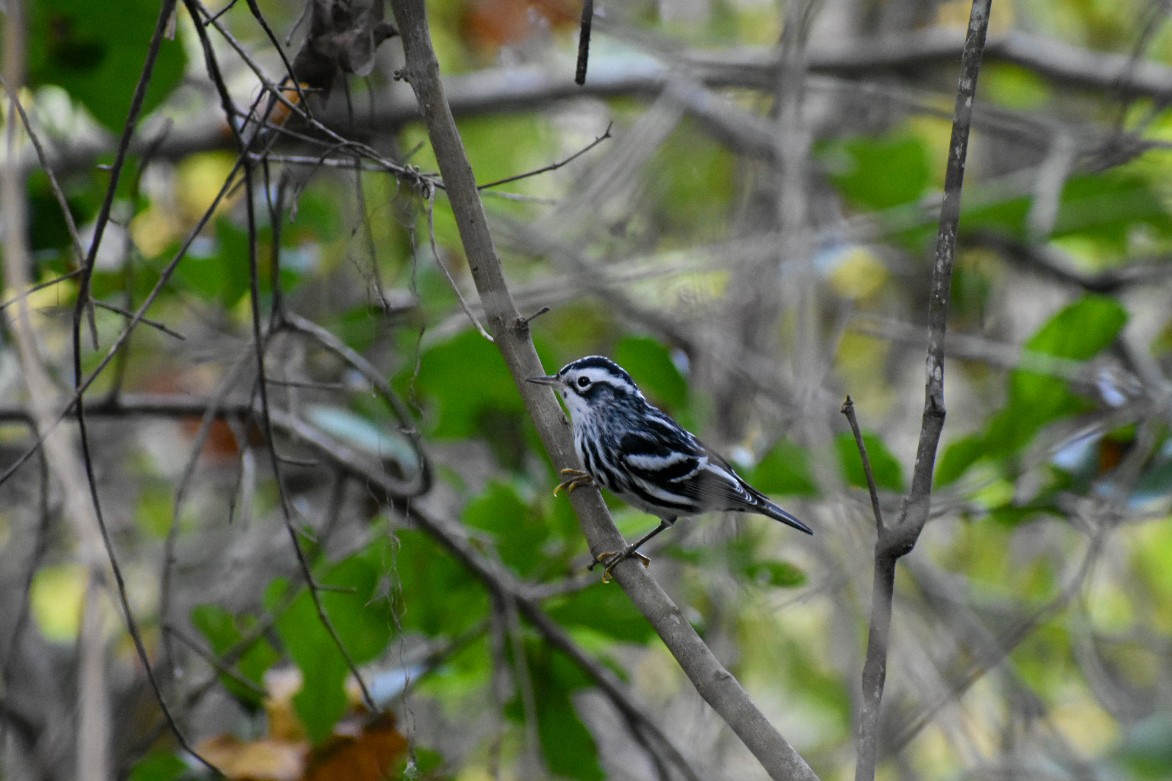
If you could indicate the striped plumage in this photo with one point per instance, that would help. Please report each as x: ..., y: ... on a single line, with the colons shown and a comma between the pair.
x: 637, y: 451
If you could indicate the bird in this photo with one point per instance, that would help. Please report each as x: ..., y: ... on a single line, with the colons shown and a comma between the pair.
x: 638, y: 452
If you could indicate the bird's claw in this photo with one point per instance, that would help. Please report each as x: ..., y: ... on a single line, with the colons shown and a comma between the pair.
x: 577, y: 478
x: 610, y: 560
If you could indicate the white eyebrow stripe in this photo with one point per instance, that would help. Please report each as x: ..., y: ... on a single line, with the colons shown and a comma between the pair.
x: 599, y: 375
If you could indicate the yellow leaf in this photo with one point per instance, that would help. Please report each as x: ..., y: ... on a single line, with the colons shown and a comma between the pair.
x: 55, y: 598
x: 858, y: 274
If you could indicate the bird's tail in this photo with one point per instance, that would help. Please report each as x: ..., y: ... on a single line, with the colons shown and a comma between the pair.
x: 771, y: 510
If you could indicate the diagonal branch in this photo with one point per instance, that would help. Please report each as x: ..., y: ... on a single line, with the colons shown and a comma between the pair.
x: 897, y: 540
x: 511, y: 335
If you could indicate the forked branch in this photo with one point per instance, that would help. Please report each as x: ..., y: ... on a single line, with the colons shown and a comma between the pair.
x: 899, y: 538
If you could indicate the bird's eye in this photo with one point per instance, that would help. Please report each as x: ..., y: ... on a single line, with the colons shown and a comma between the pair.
x: 583, y: 382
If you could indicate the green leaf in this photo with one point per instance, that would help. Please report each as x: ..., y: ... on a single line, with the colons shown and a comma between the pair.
x: 1012, y: 515
x: 322, y: 699
x: 1103, y: 208
x: 96, y: 52
x: 742, y: 556
x: 649, y: 362
x: 1015, y: 86
x: 360, y: 617
x: 221, y: 276
x: 444, y: 599
x: 569, y: 748
x: 1013, y: 427
x: 884, y: 466
x: 958, y: 457
x: 777, y: 573
x: 274, y: 594
x: 1108, y: 207
x: 878, y: 173
x: 518, y: 530
x: 420, y: 764
x: 358, y: 604
x: 603, y: 609
x: 224, y: 632
x: 1081, y: 330
x: 446, y: 375
x: 48, y: 232
x: 784, y: 470
x: 159, y: 767
x: 1076, y: 333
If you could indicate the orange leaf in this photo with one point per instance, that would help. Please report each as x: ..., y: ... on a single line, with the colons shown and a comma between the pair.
x: 366, y: 754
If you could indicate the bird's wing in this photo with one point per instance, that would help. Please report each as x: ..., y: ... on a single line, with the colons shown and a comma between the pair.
x: 739, y: 495
x: 718, y: 487
x: 661, y: 460
x: 669, y: 465
x: 671, y: 470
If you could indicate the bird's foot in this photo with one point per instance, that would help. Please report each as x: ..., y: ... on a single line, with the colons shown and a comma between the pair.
x: 609, y: 559
x: 575, y: 478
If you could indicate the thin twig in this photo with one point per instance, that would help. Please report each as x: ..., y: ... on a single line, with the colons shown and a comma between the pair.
x: 220, y: 664
x: 208, y: 414
x: 848, y: 409
x: 430, y: 200
x: 166, y: 10
x: 144, y: 320
x: 407, y: 173
x: 975, y: 660
x: 40, y: 286
x: 552, y: 166
x: 54, y: 185
x: 413, y: 484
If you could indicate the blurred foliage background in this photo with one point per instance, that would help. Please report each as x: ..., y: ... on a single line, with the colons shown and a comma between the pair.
x: 752, y: 238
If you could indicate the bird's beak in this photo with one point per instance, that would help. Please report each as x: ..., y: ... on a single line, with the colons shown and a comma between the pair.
x: 551, y: 379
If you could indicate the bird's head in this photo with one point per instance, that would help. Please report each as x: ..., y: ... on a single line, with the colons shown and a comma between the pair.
x: 593, y: 383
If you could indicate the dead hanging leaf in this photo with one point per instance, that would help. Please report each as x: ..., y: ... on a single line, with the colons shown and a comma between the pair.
x: 343, y: 37
x: 359, y: 751
x: 361, y: 748
x: 257, y: 760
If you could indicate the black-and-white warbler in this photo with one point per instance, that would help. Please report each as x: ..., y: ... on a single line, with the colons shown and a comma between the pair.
x: 637, y: 451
